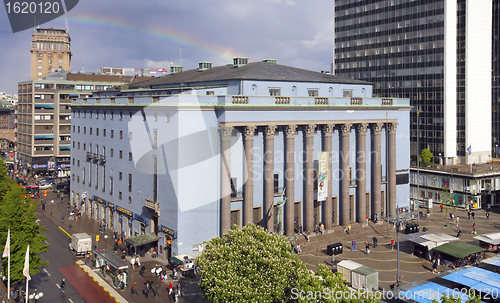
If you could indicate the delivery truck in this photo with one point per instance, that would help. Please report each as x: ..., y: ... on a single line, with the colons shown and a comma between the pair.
x: 80, y: 244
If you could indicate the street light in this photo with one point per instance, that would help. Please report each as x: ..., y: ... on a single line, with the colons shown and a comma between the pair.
x: 35, y: 295
x: 156, y: 271
x: 51, y: 207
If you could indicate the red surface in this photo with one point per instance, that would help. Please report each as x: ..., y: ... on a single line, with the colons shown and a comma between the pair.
x: 85, y: 285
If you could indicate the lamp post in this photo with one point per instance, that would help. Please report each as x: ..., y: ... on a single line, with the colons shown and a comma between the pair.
x: 496, y: 150
x: 387, y: 169
x: 35, y: 295
x: 398, y: 276
x: 156, y: 271
x: 51, y: 207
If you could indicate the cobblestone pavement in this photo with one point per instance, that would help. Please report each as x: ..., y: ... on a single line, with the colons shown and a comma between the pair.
x: 382, y: 258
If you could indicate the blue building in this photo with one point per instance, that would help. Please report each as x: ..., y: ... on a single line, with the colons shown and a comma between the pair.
x: 191, y: 154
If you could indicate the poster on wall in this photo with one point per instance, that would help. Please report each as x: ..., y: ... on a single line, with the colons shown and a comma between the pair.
x: 323, y: 176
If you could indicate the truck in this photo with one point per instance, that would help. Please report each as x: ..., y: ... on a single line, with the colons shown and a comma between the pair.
x: 80, y: 244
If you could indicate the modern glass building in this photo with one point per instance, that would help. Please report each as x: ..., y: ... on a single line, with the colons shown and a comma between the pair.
x: 438, y: 53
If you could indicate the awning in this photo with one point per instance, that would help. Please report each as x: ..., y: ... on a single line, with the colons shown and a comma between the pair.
x: 142, y: 239
x: 429, y: 239
x: 426, y: 293
x: 179, y: 259
x: 493, y: 238
x: 111, y: 259
x: 458, y: 249
x: 479, y: 279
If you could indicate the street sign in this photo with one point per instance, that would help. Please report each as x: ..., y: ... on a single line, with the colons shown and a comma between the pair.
x: 97, y: 238
x: 51, y: 165
x: 451, y: 191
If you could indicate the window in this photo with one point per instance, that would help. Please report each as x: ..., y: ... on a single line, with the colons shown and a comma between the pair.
x: 111, y: 185
x: 347, y: 93
x: 73, y: 161
x: 130, y: 136
x: 121, y: 154
x: 155, y: 179
x: 312, y: 92
x: 84, y: 129
x: 130, y: 116
x: 112, y: 115
x: 84, y: 146
x: 120, y: 195
x: 90, y: 114
x: 130, y: 156
x: 104, y: 132
x: 39, y: 60
x: 90, y: 131
x: 120, y: 176
x: 104, y: 115
x: 73, y: 128
x: 78, y: 129
x: 129, y: 182
x: 83, y: 176
x: 274, y: 92
x: 74, y: 144
x: 39, y: 74
x: 39, y: 67
x: 112, y: 135
x: 78, y: 145
x: 50, y: 61
x: 121, y: 134
x: 97, y: 132
x: 111, y: 152
x: 210, y: 93
x: 129, y: 200
x: 121, y: 115
x: 85, y: 114
x: 155, y: 138
x: 78, y: 163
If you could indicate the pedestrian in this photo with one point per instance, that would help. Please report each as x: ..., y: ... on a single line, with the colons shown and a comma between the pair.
x: 63, y: 284
x: 170, y: 289
x: 62, y: 198
x: 137, y: 262
x: 316, y: 229
x: 375, y: 242
x: 459, y: 233
x: 377, y: 218
x: 301, y: 229
x: 62, y: 217
x: 349, y: 229
x: 366, y: 218
x: 487, y: 215
x: 474, y: 228
x: 298, y: 249
x: 147, y: 289
x: 434, y: 266
x: 451, y: 216
x: 367, y: 246
x: 439, y: 259
x: 353, y: 246
x: 468, y: 214
x: 458, y: 220
x: 115, y: 246
x: 133, y: 289
x: 392, y: 244
x: 473, y: 216
x: 132, y: 262
x: 441, y: 206
x: 179, y: 289
x: 308, y: 235
x: 322, y: 228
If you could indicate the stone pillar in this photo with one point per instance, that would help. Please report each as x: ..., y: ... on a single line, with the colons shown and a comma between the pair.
x: 309, y: 190
x: 392, y: 168
x: 377, y: 170
x: 328, y: 209
x: 361, y: 171
x: 248, y: 186
x: 290, y: 179
x: 225, y: 135
x: 345, y: 132
x: 268, y: 221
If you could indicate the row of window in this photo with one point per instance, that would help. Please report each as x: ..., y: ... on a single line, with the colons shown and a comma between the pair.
x: 104, y: 114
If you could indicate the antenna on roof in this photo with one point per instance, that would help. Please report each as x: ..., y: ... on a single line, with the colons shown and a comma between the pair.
x: 83, y: 67
x: 180, y: 55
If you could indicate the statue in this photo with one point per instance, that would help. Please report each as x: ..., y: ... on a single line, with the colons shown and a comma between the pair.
x: 279, y: 213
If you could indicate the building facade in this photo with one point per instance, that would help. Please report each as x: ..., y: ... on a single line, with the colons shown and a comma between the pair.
x: 189, y: 155
x: 436, y: 53
x: 43, y: 118
x: 50, y: 51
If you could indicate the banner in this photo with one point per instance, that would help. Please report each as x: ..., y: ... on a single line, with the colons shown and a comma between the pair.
x: 26, y: 269
x: 6, y: 251
x: 323, y: 176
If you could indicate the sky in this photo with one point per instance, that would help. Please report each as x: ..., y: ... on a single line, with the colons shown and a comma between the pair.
x: 154, y: 33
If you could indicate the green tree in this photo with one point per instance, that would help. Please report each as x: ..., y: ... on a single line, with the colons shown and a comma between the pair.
x: 446, y: 198
x: 250, y: 264
x: 426, y: 155
x: 18, y: 213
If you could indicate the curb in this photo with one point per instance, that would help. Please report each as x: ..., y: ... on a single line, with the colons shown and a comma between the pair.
x: 98, y: 282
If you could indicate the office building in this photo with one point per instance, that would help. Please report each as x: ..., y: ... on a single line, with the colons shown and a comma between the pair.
x: 438, y: 54
x: 189, y: 155
x: 50, y: 51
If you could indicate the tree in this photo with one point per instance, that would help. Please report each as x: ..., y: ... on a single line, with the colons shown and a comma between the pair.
x: 426, y: 155
x: 446, y: 198
x: 18, y: 213
x: 250, y: 264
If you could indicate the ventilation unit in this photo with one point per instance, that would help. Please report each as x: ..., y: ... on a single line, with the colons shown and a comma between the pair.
x: 240, y: 61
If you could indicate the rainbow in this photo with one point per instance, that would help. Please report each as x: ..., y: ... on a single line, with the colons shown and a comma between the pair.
x: 120, y: 26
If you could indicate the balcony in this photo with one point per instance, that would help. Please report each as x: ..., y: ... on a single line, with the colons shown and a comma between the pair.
x: 89, y: 156
x: 154, y: 206
x: 102, y: 159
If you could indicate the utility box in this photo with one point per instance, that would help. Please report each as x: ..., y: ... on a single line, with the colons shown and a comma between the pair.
x: 334, y: 249
x: 365, y: 278
x: 80, y: 244
x: 346, y: 267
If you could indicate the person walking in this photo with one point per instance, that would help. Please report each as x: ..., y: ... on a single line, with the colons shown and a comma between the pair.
x: 474, y: 228
x: 62, y: 217
x: 377, y: 219
x: 179, y: 289
x: 473, y: 216
x: 132, y: 262
x: 434, y: 267
x: 63, y: 284
x: 487, y: 215
x: 308, y: 236
x: 170, y: 286
x: 367, y: 246
x: 459, y: 233
x: 392, y: 244
x: 441, y: 206
x: 147, y: 289
x: 349, y: 229
x: 298, y: 249
x: 458, y: 220
x: 375, y: 242
x: 322, y: 228
x: 353, y: 246
x: 366, y: 218
x: 133, y: 289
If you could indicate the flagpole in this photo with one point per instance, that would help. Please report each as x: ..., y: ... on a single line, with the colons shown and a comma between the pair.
x: 8, y: 266
x: 26, y: 270
x: 27, y: 290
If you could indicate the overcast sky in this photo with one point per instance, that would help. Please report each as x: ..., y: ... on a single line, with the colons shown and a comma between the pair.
x: 150, y: 33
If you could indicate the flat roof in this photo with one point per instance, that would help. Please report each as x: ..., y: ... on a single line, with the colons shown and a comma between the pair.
x: 476, y: 278
x: 491, y: 238
x: 428, y: 292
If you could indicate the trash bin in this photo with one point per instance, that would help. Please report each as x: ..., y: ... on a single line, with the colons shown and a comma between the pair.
x: 334, y: 249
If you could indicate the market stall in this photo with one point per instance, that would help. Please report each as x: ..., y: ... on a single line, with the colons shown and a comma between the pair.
x: 490, y: 242
x: 346, y: 267
x: 482, y: 281
x: 140, y: 244
x: 455, y: 254
x: 423, y: 242
x: 365, y: 278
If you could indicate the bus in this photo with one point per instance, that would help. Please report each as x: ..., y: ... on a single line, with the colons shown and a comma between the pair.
x: 32, y: 190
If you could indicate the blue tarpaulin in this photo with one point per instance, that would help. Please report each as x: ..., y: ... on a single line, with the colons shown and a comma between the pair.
x: 476, y: 278
x: 428, y: 292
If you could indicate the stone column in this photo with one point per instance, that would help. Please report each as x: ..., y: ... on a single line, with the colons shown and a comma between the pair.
x: 392, y: 168
x: 377, y: 170
x: 225, y: 135
x: 248, y: 186
x: 345, y: 132
x: 290, y: 179
x: 361, y: 171
x: 327, y: 147
x: 268, y: 221
x: 309, y: 190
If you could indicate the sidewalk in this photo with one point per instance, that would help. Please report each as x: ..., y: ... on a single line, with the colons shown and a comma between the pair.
x: 190, y: 289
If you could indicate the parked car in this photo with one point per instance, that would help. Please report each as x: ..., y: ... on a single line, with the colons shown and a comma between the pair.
x: 60, y: 187
x: 46, y: 180
x: 45, y: 185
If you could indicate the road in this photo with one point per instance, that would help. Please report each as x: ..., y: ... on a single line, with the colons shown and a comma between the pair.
x: 80, y: 288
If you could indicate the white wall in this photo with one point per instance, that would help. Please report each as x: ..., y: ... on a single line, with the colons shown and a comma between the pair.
x: 450, y: 79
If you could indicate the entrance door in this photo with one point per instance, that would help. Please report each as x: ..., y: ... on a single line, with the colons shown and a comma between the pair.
x: 168, y: 248
x: 317, y: 212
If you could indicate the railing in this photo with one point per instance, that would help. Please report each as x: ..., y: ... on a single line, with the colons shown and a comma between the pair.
x: 356, y: 101
x: 239, y: 99
x: 281, y: 100
x: 155, y: 206
x: 321, y: 101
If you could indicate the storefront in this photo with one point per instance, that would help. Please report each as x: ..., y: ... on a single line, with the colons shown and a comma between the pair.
x: 143, y: 222
x: 102, y: 204
x: 124, y: 221
x: 169, y: 235
x: 111, y: 210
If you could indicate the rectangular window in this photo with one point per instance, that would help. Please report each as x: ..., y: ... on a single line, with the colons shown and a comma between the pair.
x: 97, y: 132
x: 210, y: 93
x: 78, y: 145
x: 111, y: 152
x: 121, y: 134
x: 276, y: 183
x: 347, y: 93
x: 73, y: 128
x: 121, y: 154
x: 130, y: 156
x: 112, y: 115
x: 312, y: 92
x: 120, y: 176
x: 111, y: 185
x: 120, y: 195
x: 90, y: 130
x: 78, y: 129
x: 112, y: 134
x: 104, y: 132
x: 78, y: 163
x: 121, y: 116
x: 84, y: 146
x: 274, y: 92
x: 130, y: 182
x: 84, y: 130
x: 130, y: 136
x: 74, y: 143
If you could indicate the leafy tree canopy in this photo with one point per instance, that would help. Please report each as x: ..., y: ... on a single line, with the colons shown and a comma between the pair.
x: 426, y: 155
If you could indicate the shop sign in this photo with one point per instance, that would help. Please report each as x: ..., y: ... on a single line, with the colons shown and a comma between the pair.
x: 124, y: 211
x: 172, y: 233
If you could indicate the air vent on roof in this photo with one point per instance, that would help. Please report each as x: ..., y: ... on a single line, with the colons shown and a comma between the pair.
x: 240, y: 61
x: 273, y: 61
x: 175, y: 69
x: 204, y: 65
